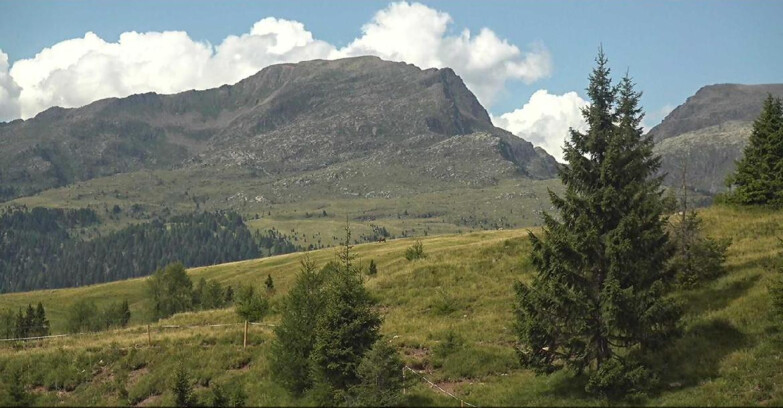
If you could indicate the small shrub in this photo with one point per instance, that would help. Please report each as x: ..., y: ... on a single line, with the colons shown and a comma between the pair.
x: 444, y: 304
x: 372, y: 269
x: 415, y: 251
x: 450, y: 344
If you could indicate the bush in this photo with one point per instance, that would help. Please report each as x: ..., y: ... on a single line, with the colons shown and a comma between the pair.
x: 415, y: 251
x: 83, y: 316
x: 250, y: 305
x: 116, y: 314
x: 171, y: 290
x: 372, y: 269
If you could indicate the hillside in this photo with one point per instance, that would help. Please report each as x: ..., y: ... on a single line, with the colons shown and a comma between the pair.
x: 708, y: 132
x: 731, y: 352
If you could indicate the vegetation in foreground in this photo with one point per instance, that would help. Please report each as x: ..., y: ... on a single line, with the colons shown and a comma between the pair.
x: 448, y: 315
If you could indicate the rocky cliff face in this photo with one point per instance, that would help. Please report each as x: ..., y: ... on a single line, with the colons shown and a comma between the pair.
x: 708, y: 132
x: 286, y: 120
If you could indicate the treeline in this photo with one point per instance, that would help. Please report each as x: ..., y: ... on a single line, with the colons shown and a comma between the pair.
x: 195, y: 239
x: 41, y: 248
x: 31, y: 239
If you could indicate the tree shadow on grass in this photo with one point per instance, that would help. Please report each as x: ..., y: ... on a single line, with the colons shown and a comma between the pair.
x: 697, y: 355
x: 700, y: 301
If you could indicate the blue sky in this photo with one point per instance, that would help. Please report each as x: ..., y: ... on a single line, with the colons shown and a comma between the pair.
x: 672, y: 48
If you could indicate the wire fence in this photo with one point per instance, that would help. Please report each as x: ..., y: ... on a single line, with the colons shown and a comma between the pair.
x: 159, y: 328
x: 133, y: 329
x: 462, y: 402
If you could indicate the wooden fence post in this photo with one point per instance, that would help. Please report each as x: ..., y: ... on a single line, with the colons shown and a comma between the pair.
x: 403, y: 380
x: 244, y: 342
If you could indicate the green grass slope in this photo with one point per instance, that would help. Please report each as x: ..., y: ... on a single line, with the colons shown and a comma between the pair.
x: 731, y: 353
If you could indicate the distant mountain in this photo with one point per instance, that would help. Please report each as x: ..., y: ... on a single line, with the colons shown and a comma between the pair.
x: 708, y: 132
x: 313, y: 123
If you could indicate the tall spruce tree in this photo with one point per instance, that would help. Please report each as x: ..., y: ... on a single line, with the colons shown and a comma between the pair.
x: 599, y: 289
x: 347, y: 328
x: 758, y: 178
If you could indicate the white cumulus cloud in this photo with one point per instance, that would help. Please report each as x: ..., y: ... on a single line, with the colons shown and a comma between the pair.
x: 9, y: 92
x: 78, y: 71
x: 416, y: 34
x: 545, y: 119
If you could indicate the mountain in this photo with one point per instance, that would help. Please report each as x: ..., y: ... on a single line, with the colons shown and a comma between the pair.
x: 357, y: 120
x: 708, y: 132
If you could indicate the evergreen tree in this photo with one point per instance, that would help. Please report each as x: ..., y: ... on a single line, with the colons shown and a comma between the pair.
x: 183, y: 391
x: 600, y: 283
x: 295, y: 334
x: 213, y: 296
x: 40, y: 321
x: 380, y: 377
x: 347, y: 328
x: 270, y: 284
x: 372, y: 269
x: 125, y: 313
x: 758, y: 178
x: 31, y: 326
x: 250, y: 305
x: 697, y: 258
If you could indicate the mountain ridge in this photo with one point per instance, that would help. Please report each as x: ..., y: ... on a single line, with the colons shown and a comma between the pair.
x: 283, y: 120
x: 707, y: 133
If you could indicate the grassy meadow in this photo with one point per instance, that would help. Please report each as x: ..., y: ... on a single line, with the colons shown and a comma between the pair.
x: 448, y: 314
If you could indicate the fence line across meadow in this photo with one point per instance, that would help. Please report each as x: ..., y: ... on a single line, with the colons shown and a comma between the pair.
x: 149, y: 329
x: 134, y: 328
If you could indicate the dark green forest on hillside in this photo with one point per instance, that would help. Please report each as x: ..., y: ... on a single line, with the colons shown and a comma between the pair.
x: 45, y: 248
